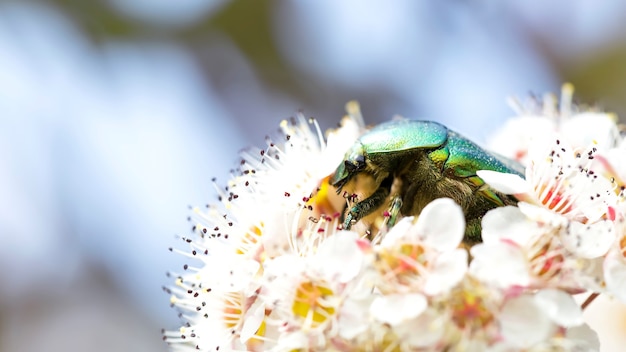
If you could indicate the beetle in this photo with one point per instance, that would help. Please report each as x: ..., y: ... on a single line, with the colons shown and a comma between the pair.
x: 420, y: 161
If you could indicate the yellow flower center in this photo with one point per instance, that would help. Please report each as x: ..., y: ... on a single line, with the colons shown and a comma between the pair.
x: 311, y: 303
x: 469, y: 308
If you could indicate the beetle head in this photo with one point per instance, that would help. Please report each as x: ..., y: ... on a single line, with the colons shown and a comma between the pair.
x: 353, y: 162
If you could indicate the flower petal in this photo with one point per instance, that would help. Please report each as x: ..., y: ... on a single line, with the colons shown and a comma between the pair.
x: 542, y: 215
x: 425, y: 331
x: 591, y: 127
x: 394, y: 309
x: 523, y: 323
x: 502, y: 264
x: 252, y: 320
x: 447, y: 271
x: 615, y: 274
x: 503, y: 182
x: 508, y: 223
x: 353, y: 317
x: 560, y: 307
x: 441, y: 224
x: 583, y: 338
x: 400, y: 232
x: 589, y: 241
x: 340, y: 257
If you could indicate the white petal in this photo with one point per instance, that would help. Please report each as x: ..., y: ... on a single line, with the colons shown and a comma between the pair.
x: 615, y: 274
x: 589, y: 241
x: 501, y: 264
x: 589, y: 127
x: 503, y: 182
x: 542, y: 215
x: 340, y: 257
x: 399, y: 232
x: 397, y: 308
x: 596, y: 197
x: 441, y: 224
x: 584, y: 337
x: 560, y: 307
x: 523, y: 323
x: 425, y: 331
x: 353, y: 317
x: 590, y: 274
x: 447, y: 271
x: 508, y: 223
x: 252, y: 320
x: 295, y: 340
x: 518, y: 133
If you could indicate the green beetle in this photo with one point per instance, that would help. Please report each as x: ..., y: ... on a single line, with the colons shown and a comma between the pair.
x: 420, y: 161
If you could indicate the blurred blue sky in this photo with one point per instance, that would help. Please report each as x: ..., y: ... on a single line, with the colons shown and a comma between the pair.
x: 115, y: 116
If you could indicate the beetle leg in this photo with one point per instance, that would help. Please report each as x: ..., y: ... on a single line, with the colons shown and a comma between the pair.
x: 366, y: 206
x: 394, y: 211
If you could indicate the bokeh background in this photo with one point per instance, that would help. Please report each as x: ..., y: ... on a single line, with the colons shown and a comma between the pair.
x: 116, y: 114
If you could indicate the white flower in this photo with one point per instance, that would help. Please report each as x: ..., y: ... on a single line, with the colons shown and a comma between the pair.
x: 229, y: 300
x: 395, y: 309
x: 273, y: 271
x: 534, y: 322
x: 562, y: 192
x: 305, y: 293
x: 538, y: 120
x: 518, y: 252
x: 423, y: 257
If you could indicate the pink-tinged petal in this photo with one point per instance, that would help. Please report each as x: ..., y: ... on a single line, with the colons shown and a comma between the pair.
x: 589, y: 241
x: 447, y: 271
x: 505, y: 183
x: 523, y: 323
x: 501, y: 264
x: 340, y: 257
x: 615, y: 274
x: 395, y: 309
x: 441, y: 224
x: 508, y: 223
x: 560, y: 307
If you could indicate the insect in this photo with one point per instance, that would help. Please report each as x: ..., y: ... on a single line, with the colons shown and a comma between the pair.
x: 403, y: 165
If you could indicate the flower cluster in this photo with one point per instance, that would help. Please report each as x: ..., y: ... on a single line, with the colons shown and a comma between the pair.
x: 275, y: 271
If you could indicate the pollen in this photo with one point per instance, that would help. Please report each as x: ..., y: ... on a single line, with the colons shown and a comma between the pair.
x: 321, y: 200
x: 250, y: 240
x: 312, y: 304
